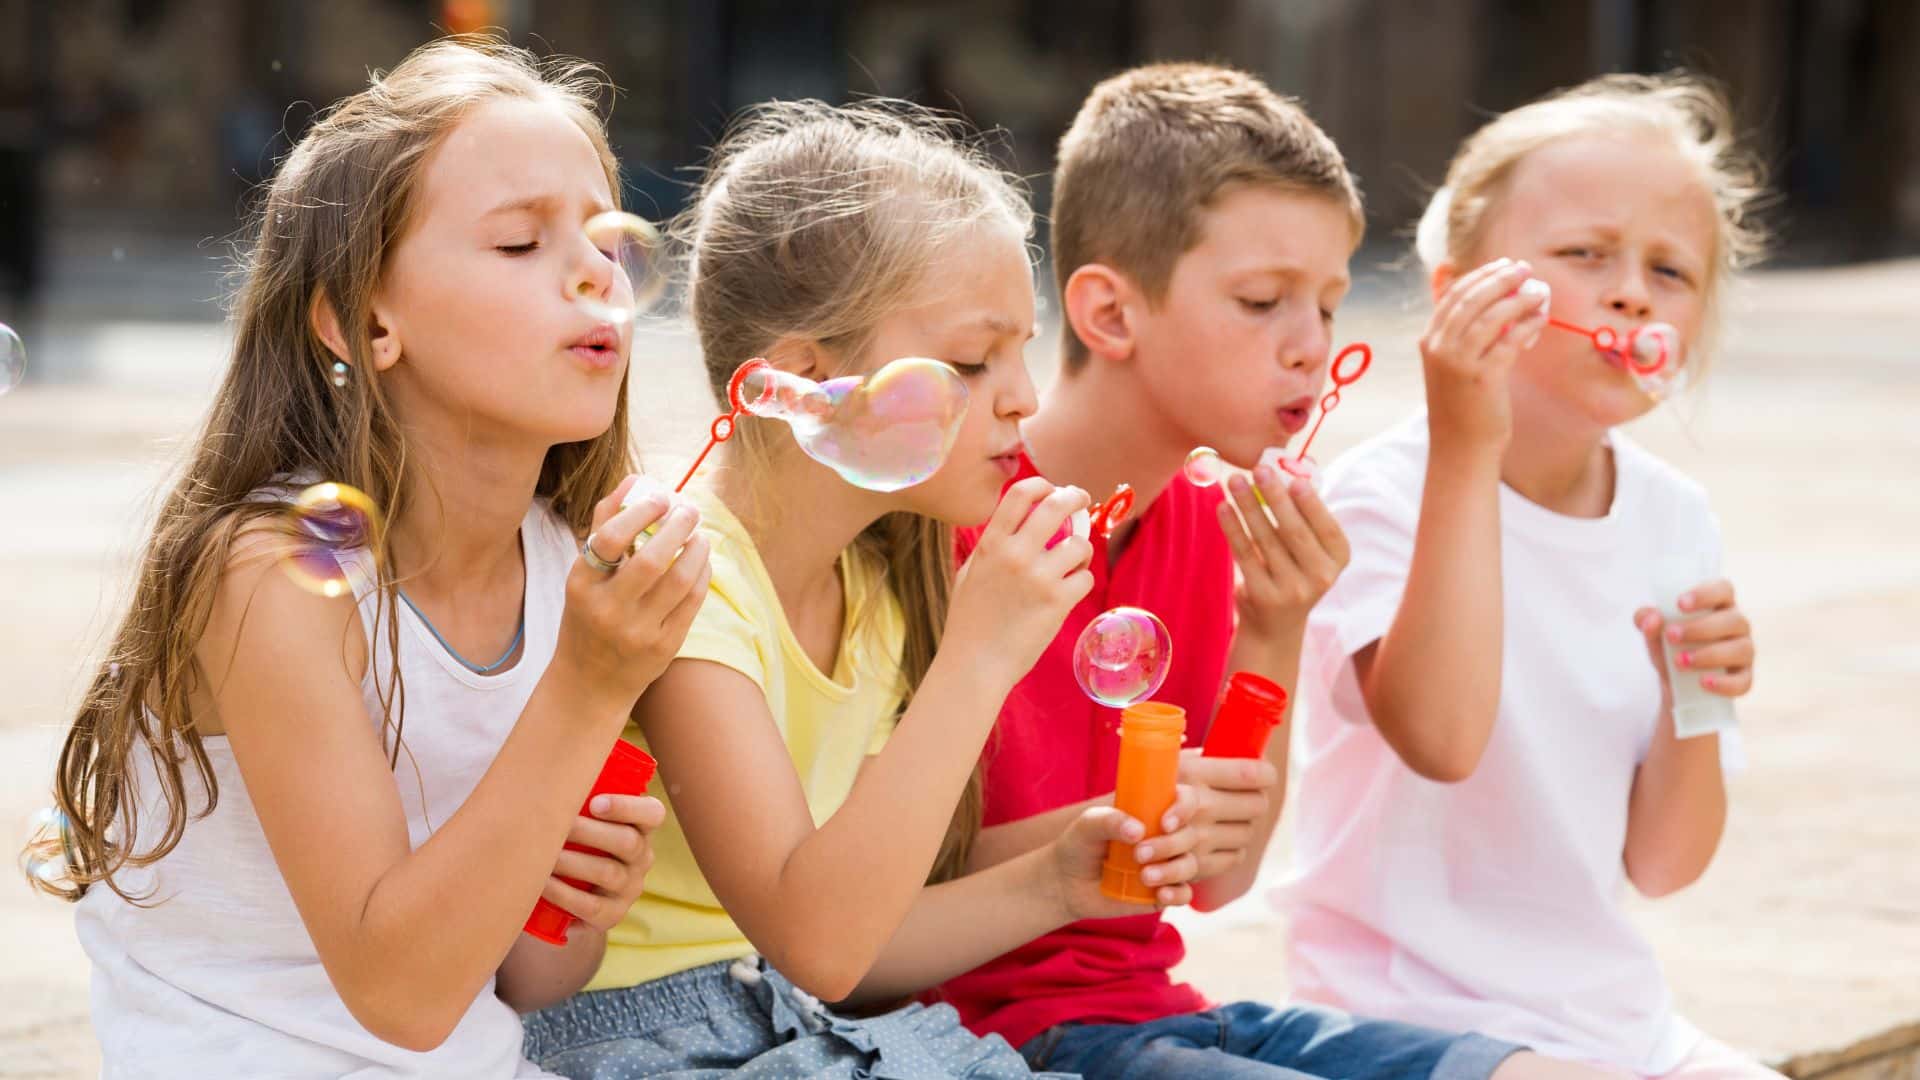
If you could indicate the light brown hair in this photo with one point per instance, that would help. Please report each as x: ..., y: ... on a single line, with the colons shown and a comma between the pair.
x: 1150, y: 151
x: 814, y: 222
x: 1689, y: 109
x: 330, y: 219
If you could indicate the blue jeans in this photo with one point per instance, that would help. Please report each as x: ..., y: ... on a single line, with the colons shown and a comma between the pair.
x: 1251, y: 1041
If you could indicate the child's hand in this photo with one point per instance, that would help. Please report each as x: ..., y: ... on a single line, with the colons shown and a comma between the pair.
x: 1013, y: 593
x: 1169, y: 864
x: 1232, y: 797
x: 622, y: 627
x: 1718, y: 644
x: 1288, y: 552
x: 621, y: 826
x: 1477, y: 331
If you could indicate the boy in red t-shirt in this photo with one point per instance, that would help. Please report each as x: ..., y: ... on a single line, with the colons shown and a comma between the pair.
x: 1201, y: 231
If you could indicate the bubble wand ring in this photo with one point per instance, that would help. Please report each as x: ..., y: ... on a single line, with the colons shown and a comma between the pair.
x: 1607, y: 340
x: 1344, y: 375
x: 1109, y: 515
x: 723, y: 426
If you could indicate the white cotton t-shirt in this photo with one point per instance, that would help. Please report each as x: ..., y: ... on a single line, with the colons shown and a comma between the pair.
x: 215, y: 974
x: 1493, y: 904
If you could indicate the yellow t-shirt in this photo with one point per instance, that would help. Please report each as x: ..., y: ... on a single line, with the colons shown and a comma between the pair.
x: 830, y: 723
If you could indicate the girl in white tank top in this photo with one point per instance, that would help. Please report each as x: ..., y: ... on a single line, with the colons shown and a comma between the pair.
x: 311, y: 796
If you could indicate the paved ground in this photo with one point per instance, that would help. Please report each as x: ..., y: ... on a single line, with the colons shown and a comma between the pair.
x: 1806, y: 932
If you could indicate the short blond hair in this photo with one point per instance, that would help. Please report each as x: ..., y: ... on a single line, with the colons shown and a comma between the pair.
x: 1691, y: 110
x: 1150, y: 151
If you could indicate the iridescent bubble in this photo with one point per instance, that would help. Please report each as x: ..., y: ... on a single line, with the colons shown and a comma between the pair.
x: 13, y: 359
x: 1122, y: 656
x: 634, y: 246
x: 1205, y: 467
x: 327, y: 522
x: 1654, y: 358
x: 882, y: 432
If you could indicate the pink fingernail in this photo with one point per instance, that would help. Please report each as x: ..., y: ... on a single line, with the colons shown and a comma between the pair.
x: 1143, y: 853
x: 601, y: 805
x: 1685, y: 659
x: 1686, y: 601
x: 1673, y: 634
x: 1709, y: 681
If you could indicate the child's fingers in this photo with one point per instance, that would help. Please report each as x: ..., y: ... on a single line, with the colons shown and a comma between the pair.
x: 1451, y: 299
x: 1721, y: 625
x: 591, y: 908
x: 1172, y: 872
x: 1326, y: 528
x: 1266, y: 540
x: 1227, y: 774
x: 1068, y: 555
x: 604, y: 510
x: 643, y: 812
x: 1302, y: 545
x: 1173, y: 896
x: 677, y: 580
x: 1051, y: 513
x: 1728, y: 683
x: 607, y: 875
x: 623, y: 842
x: 1186, y: 807
x: 1729, y: 655
x: 1016, y: 503
x: 1483, y: 294
x: 1168, y: 846
x: 1245, y: 555
x: 1711, y: 596
x: 1495, y: 324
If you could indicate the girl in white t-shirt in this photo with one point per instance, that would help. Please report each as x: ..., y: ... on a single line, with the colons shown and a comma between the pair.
x: 304, y: 826
x: 1488, y: 755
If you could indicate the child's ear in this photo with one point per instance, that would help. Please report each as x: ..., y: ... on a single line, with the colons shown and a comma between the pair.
x: 1097, y: 300
x: 1442, y: 279
x: 325, y: 320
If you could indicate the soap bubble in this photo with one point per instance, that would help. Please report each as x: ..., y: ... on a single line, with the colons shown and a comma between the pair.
x: 328, y: 520
x: 1122, y: 656
x: 634, y: 246
x: 1205, y: 467
x: 13, y: 359
x: 882, y: 432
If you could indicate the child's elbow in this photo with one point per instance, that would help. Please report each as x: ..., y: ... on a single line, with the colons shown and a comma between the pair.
x: 1449, y: 761
x: 1657, y: 878
x: 829, y: 978
x: 409, y: 1025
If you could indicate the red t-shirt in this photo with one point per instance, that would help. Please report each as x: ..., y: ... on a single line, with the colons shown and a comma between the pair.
x: 1054, y: 746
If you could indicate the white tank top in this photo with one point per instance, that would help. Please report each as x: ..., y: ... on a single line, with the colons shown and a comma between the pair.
x: 219, y: 977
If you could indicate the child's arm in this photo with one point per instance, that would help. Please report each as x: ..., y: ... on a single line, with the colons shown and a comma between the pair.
x: 1678, y: 807
x: 1289, y: 550
x: 410, y: 937
x: 957, y: 926
x: 1432, y: 682
x: 536, y: 974
x: 820, y: 902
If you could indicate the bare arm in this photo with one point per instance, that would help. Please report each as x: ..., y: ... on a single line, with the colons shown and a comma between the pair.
x: 1432, y: 684
x: 998, y: 843
x: 410, y: 937
x: 1678, y: 808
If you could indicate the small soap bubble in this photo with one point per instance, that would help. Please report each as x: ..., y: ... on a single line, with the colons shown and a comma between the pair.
x: 327, y: 521
x: 1122, y: 656
x: 13, y: 359
x: 634, y: 246
x: 1205, y: 467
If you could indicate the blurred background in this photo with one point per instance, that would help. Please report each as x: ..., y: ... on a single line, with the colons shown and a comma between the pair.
x: 133, y: 133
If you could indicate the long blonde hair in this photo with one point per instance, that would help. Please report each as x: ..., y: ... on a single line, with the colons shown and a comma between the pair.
x: 330, y: 219
x: 1690, y: 110
x: 815, y: 222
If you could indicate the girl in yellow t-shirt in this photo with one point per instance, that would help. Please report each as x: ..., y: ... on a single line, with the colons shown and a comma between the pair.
x: 819, y: 732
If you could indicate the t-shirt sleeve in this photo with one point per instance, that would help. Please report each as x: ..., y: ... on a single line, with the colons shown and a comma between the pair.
x: 724, y: 632
x: 1379, y: 523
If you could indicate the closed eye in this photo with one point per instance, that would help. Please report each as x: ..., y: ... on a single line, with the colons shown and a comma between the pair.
x: 518, y: 249
x: 969, y: 371
x: 1259, y: 305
